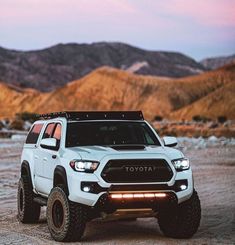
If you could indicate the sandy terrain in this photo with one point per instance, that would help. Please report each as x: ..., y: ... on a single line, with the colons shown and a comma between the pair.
x: 214, y: 173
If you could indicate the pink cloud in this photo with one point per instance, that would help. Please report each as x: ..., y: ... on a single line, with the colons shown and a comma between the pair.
x: 206, y: 12
x: 33, y: 9
x: 122, y: 13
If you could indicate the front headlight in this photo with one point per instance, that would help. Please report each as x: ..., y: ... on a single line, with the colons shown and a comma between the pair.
x: 181, y: 164
x: 84, y: 166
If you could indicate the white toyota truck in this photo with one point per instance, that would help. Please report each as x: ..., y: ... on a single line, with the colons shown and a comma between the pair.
x: 110, y: 165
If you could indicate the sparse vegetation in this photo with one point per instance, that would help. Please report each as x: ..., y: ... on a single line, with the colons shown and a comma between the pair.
x: 213, y: 125
x: 222, y: 119
x: 1, y: 125
x: 158, y: 118
x: 17, y: 124
x: 199, y: 118
x: 26, y: 116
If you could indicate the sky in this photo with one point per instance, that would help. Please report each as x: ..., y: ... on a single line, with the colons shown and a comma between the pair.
x: 198, y: 28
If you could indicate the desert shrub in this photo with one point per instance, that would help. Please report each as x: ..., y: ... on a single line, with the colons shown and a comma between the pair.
x: 6, y: 121
x: 199, y: 118
x: 213, y: 125
x: 1, y: 125
x: 221, y: 119
x: 196, y: 118
x: 26, y: 116
x: 158, y: 118
x: 17, y: 124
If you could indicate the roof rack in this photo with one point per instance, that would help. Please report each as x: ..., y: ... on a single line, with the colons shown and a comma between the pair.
x: 94, y: 115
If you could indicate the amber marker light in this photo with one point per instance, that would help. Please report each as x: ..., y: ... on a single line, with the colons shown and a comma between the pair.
x: 116, y: 196
x: 127, y: 195
x: 149, y: 195
x: 160, y: 195
x: 138, y: 195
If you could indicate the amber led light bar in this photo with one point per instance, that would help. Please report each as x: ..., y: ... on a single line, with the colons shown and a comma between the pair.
x: 137, y: 195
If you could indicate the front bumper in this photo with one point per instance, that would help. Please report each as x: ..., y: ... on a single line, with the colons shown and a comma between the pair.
x: 78, y: 180
x: 109, y: 205
x: 75, y: 180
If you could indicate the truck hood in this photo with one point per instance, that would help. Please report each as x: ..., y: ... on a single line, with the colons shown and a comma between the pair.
x: 97, y: 153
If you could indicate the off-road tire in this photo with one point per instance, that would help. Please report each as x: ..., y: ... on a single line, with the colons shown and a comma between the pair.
x: 28, y: 210
x: 66, y: 220
x: 183, y: 221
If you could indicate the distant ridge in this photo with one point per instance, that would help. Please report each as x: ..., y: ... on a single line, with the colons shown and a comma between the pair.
x: 53, y: 67
x: 216, y: 62
x: 210, y: 94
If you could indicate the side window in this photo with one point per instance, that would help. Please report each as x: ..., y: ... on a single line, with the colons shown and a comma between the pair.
x: 53, y: 130
x: 48, y: 131
x: 57, y: 132
x: 34, y: 134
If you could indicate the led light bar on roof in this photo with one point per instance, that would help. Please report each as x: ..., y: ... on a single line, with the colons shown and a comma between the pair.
x: 95, y: 115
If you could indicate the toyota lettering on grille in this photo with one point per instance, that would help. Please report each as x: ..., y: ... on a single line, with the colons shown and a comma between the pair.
x: 132, y: 169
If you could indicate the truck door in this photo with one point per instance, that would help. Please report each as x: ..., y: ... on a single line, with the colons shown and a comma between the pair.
x: 52, y: 157
x: 43, y: 158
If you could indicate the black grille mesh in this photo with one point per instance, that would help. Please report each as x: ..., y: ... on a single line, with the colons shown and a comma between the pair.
x: 137, y: 171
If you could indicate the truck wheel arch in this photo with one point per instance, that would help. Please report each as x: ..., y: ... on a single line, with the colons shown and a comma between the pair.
x: 25, y: 171
x: 60, y: 178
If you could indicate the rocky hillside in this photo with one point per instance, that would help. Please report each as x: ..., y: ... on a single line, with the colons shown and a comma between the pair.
x: 221, y: 102
x: 54, y: 67
x: 214, y: 63
x: 14, y: 100
x: 112, y: 89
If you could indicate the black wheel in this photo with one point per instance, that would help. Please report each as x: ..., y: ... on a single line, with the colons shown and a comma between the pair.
x: 66, y: 220
x: 183, y: 221
x: 28, y: 210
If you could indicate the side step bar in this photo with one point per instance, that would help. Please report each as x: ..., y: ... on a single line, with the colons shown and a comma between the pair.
x: 40, y: 200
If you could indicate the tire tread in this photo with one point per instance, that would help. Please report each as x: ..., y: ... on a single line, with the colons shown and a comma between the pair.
x: 31, y: 210
x: 182, y: 222
x: 75, y: 220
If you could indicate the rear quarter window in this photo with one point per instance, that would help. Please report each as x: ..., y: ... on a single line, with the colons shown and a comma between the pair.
x: 33, y: 134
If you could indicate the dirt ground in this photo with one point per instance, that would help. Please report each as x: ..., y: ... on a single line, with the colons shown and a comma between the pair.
x: 214, y: 174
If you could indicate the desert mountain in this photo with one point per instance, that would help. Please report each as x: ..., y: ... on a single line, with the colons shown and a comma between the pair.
x: 53, y: 67
x: 216, y: 62
x: 220, y: 101
x: 14, y: 100
x: 112, y: 89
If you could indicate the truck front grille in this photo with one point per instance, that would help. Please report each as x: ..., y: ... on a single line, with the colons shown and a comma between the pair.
x: 137, y: 171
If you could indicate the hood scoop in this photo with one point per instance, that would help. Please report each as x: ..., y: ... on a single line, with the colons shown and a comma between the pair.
x: 127, y: 147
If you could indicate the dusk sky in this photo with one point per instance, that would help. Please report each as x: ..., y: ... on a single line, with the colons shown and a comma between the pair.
x: 198, y: 28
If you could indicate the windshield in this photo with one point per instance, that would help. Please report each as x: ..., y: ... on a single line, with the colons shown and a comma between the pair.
x: 108, y: 133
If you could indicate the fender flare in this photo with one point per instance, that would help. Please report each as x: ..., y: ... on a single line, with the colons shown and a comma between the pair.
x: 61, y: 173
x: 25, y: 171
